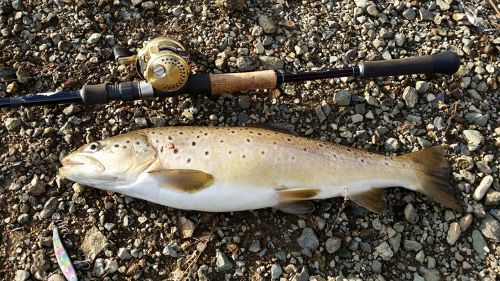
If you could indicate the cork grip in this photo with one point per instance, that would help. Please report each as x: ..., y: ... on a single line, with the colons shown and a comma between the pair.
x: 240, y: 82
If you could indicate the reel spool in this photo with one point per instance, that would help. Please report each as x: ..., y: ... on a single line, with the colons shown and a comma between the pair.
x: 162, y: 62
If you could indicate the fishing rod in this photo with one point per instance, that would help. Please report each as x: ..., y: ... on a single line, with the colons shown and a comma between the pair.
x: 162, y: 63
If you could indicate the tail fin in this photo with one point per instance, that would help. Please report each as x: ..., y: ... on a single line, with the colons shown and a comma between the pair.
x: 433, y: 173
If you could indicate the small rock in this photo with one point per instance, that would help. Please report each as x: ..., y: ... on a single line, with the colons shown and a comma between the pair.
x: 177, y: 11
x: 23, y: 75
x: 342, y: 97
x: 267, y: 24
x: 333, y: 244
x: 169, y: 251
x: 465, y: 222
x: 21, y: 275
x: 123, y: 254
x: 372, y: 10
x: 222, y: 261
x: 71, y: 110
x: 11, y: 123
x: 255, y: 246
x: 99, y: 267
x: 302, y: 276
x: 420, y: 257
x: 395, y: 242
x: 110, y: 266
x: 376, y: 266
x: 454, y: 232
x: 479, y: 243
x: 272, y: 63
x: 23, y: 218
x: 431, y: 275
x: 308, y: 239
x: 490, y: 228
x: 474, y: 139
x: 319, y: 112
x: 384, y: 250
x: 148, y: 5
x: 78, y: 188
x: 400, y: 39
x: 391, y: 145
x: 244, y: 101
x: 356, y: 118
x: 245, y: 64
x: 12, y: 88
x: 482, y: 188
x: 276, y: 271
x: 477, y: 118
x: 94, y: 38
x: 422, y: 87
x: 426, y: 15
x: 37, y: 186
x: 411, y: 245
x: 409, y: 14
x: 56, y: 277
x: 492, y: 198
x: 93, y: 243
x: 410, y: 96
x: 186, y: 226
x: 49, y: 208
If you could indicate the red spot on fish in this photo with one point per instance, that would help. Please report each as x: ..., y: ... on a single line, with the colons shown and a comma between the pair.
x: 172, y: 146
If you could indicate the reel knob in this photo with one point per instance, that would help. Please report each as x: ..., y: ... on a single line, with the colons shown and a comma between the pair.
x: 162, y: 62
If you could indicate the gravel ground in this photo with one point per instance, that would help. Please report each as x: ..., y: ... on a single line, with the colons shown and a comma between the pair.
x: 63, y: 44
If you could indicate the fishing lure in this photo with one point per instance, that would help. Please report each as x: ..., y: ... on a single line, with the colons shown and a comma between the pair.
x: 62, y: 257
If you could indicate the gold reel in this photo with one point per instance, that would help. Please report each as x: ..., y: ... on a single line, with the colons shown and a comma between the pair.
x: 162, y: 62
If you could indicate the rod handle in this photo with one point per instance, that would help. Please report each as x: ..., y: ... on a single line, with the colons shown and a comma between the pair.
x: 444, y: 63
x: 240, y: 82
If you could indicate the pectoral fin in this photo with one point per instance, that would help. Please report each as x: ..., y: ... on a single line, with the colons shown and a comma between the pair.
x: 183, y: 179
x: 296, y: 194
x: 372, y: 200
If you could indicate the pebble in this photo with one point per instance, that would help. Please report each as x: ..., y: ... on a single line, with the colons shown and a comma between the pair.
x: 302, y: 276
x: 422, y: 87
x: 23, y: 218
x: 454, y: 232
x: 465, y: 222
x: 186, y: 227
x: 71, y: 110
x: 477, y: 118
x: 342, y: 97
x: 333, y: 244
x: 267, y: 24
x: 23, y: 75
x: 308, y: 239
x: 395, y: 242
x: 411, y: 214
x: 110, y: 266
x: 123, y: 254
x: 94, y: 38
x: 391, y: 145
x: 490, y: 228
x: 272, y: 63
x: 376, y: 266
x: 93, y: 243
x: 400, y: 39
x: 410, y: 96
x: 492, y: 198
x: 412, y: 245
x: 319, y: 112
x: 222, y: 261
x: 384, y: 251
x: 11, y: 123
x: 372, y: 10
x: 244, y: 101
x: 474, y: 139
x: 479, y: 243
x: 255, y: 246
x: 49, y: 208
x: 276, y: 271
x: 12, y: 88
x: 420, y: 257
x: 99, y: 267
x: 482, y: 188
x: 245, y: 64
x: 426, y: 15
x: 431, y: 274
x: 21, y: 275
x: 169, y: 251
x: 409, y: 14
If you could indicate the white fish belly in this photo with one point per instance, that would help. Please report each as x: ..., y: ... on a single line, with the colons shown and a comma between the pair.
x: 215, y: 198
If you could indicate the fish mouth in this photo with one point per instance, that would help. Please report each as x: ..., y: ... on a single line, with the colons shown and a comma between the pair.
x: 78, y: 161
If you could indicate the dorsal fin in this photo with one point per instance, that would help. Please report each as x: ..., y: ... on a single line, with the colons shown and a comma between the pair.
x: 372, y: 200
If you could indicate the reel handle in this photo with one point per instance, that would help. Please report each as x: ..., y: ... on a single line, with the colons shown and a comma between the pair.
x: 443, y: 63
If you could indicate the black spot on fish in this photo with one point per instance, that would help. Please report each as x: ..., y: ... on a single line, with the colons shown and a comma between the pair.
x: 169, y: 137
x: 248, y: 140
x: 387, y: 164
x: 260, y: 134
x: 197, y: 137
x: 262, y: 152
x: 293, y: 158
x: 230, y: 152
x: 176, y: 150
x: 193, y: 143
x: 232, y: 132
x: 362, y: 161
x: 117, y: 145
x: 275, y: 142
x: 161, y: 149
x: 221, y: 141
x: 206, y: 134
x: 189, y: 160
x: 289, y: 139
x: 153, y: 132
x: 305, y: 149
x: 128, y: 141
x: 125, y: 147
x: 206, y: 152
x: 181, y: 133
x: 243, y: 155
x: 137, y: 143
x: 320, y: 145
x: 348, y: 149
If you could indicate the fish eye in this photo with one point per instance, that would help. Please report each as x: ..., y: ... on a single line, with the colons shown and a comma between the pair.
x: 93, y: 147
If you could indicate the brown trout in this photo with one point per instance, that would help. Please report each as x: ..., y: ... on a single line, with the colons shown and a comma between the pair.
x: 222, y: 169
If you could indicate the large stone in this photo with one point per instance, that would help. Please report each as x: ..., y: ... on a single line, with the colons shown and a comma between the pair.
x: 308, y: 239
x: 267, y: 24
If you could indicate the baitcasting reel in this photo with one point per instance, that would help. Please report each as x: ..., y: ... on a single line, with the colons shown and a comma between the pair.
x: 162, y: 62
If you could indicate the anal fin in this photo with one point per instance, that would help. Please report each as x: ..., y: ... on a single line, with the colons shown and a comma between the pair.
x: 372, y: 200
x: 297, y: 208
